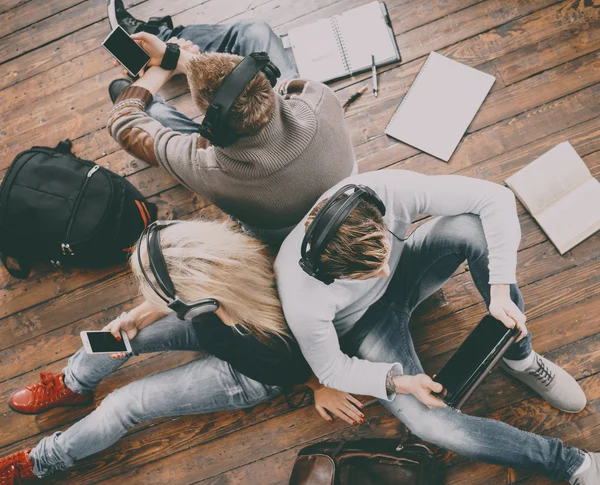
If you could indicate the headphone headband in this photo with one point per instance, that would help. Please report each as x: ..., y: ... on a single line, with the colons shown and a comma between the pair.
x: 214, y: 127
x: 158, y: 267
x: 326, y: 224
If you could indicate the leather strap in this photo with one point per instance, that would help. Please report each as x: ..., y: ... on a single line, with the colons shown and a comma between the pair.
x: 169, y: 60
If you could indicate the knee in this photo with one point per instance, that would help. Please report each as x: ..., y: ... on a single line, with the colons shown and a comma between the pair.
x: 467, y: 231
x: 255, y: 29
x: 436, y: 426
x: 121, y: 406
x: 159, y: 111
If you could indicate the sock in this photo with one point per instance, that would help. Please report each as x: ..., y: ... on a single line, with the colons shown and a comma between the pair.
x: 520, y: 365
x: 587, y: 462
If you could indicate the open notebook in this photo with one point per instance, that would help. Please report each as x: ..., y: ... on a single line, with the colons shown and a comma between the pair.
x: 342, y: 45
x: 561, y: 194
x: 439, y: 106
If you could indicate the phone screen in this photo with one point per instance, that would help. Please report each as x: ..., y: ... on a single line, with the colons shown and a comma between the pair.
x: 105, y: 342
x: 489, y: 334
x: 126, y: 51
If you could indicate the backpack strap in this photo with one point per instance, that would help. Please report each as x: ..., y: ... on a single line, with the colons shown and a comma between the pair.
x: 64, y: 146
x: 22, y: 272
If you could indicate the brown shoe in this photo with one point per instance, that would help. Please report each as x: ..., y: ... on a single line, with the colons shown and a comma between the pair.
x: 49, y: 393
x: 16, y: 469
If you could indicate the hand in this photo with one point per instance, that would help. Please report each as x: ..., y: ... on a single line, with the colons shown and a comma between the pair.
x: 341, y: 404
x: 156, y: 49
x: 505, y: 310
x: 127, y: 323
x: 421, y: 386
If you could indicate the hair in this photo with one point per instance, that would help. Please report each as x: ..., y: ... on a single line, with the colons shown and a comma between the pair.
x: 215, y: 260
x: 251, y: 111
x: 359, y: 248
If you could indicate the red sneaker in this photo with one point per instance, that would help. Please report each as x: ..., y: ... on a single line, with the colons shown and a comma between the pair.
x: 49, y: 393
x: 16, y: 469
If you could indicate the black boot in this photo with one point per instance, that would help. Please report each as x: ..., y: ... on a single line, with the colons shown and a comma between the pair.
x: 117, y: 15
x: 116, y: 87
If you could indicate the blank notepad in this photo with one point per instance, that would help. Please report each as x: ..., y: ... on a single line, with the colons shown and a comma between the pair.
x: 439, y: 106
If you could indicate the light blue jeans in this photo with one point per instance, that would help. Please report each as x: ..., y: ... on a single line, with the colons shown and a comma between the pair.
x: 205, y: 385
x: 240, y: 38
x: 428, y: 260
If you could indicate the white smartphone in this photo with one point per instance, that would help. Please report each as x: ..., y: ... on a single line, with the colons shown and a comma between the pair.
x: 125, y: 50
x: 97, y: 342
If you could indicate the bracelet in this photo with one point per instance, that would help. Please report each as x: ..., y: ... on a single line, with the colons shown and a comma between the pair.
x: 169, y: 60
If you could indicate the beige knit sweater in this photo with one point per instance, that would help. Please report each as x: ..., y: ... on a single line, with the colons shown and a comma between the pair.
x: 269, y: 180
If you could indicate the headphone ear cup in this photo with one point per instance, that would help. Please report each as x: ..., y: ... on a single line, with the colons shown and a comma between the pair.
x: 272, y: 72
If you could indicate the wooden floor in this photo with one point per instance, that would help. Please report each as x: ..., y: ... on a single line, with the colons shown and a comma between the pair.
x: 545, y: 55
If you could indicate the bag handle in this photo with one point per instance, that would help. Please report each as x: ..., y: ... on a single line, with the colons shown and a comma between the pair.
x: 21, y: 273
x: 64, y: 146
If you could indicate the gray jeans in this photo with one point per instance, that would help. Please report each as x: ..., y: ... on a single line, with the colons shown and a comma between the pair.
x: 428, y: 260
x: 202, y: 386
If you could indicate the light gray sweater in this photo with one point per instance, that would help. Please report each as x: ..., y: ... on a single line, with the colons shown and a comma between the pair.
x: 317, y: 314
x: 268, y: 181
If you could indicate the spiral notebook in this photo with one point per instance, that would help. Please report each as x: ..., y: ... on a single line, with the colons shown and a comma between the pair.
x: 439, y: 106
x: 342, y: 45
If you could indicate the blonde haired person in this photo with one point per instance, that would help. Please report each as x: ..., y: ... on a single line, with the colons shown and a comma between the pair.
x: 250, y: 356
x: 354, y: 331
x: 292, y: 145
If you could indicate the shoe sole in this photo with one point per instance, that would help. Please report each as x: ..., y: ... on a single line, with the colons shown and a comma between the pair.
x: 48, y: 409
x: 112, y: 17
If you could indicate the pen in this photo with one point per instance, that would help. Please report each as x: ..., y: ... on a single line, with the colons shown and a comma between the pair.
x: 374, y: 73
x: 355, y: 96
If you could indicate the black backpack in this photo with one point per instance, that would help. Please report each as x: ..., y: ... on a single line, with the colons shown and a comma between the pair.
x: 72, y: 212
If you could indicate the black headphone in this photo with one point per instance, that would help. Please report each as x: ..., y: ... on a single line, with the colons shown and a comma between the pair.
x: 326, y: 224
x: 214, y: 127
x: 158, y: 266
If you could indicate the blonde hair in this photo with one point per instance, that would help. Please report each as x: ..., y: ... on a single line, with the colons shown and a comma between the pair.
x: 251, y: 111
x: 215, y: 260
x: 360, y: 247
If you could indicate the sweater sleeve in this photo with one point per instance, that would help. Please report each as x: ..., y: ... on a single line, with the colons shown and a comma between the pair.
x: 320, y: 345
x: 183, y: 156
x: 448, y: 195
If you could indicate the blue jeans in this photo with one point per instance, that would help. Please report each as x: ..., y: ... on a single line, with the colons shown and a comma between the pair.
x: 240, y: 38
x: 428, y: 260
x: 202, y: 386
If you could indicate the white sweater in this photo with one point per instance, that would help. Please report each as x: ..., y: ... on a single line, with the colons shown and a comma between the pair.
x: 317, y: 314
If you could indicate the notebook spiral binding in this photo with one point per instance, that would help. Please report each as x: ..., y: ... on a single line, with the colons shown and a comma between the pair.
x: 408, y: 93
x: 341, y: 44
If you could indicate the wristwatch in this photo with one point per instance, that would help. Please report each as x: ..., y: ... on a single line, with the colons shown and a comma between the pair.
x: 169, y: 60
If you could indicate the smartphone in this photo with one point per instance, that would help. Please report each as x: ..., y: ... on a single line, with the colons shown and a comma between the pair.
x: 474, y: 359
x: 125, y: 50
x: 104, y: 342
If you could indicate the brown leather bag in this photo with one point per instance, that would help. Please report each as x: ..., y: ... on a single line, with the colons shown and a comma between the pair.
x: 366, y: 462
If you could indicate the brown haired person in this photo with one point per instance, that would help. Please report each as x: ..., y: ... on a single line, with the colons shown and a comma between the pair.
x: 250, y: 354
x: 293, y: 144
x: 350, y: 303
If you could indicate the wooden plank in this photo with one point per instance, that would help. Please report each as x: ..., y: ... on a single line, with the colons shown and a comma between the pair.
x: 47, y: 30
x: 208, y: 460
x: 507, y: 135
x: 569, y: 44
x: 569, y: 287
x: 500, y: 105
x: 29, y: 13
x: 465, y: 29
x: 6, y: 5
